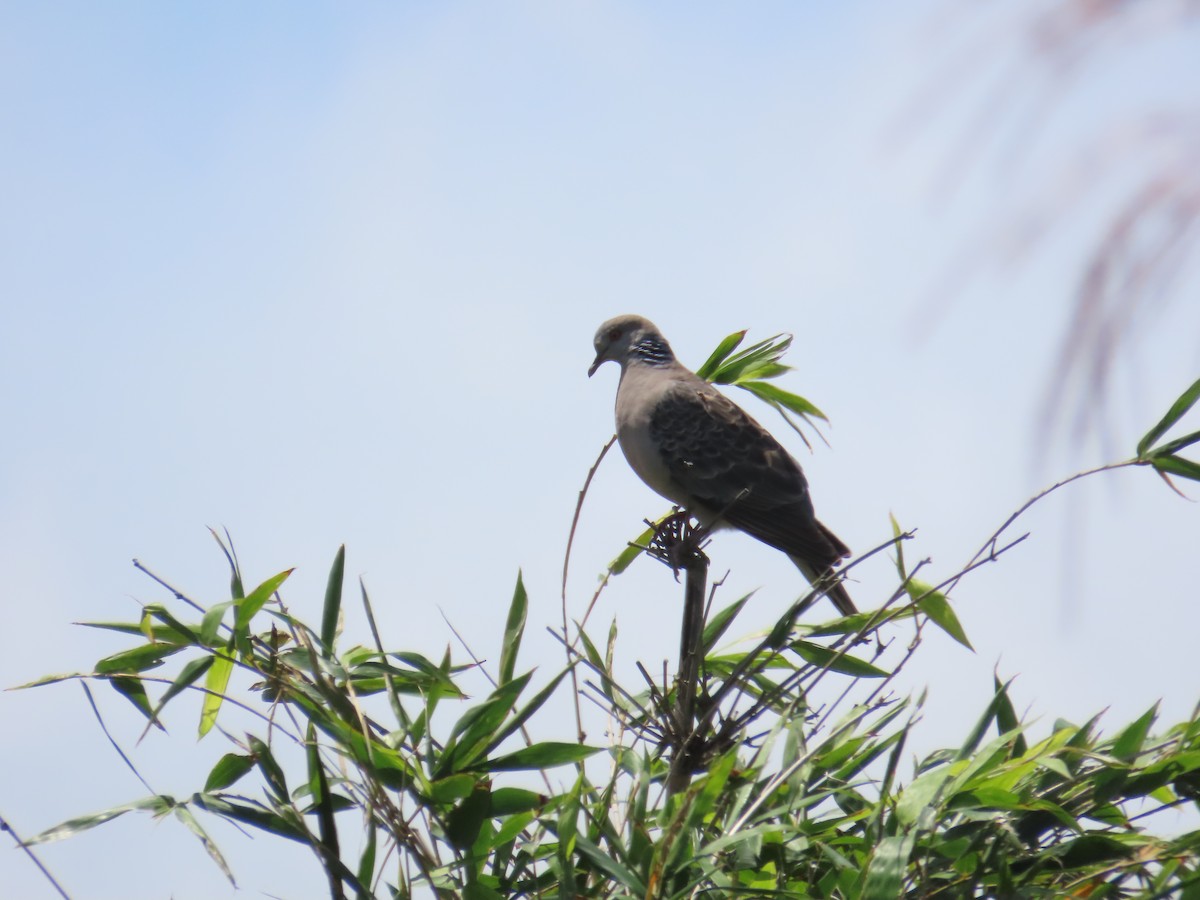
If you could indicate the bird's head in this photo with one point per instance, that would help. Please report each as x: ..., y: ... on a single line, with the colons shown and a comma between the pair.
x: 620, y: 338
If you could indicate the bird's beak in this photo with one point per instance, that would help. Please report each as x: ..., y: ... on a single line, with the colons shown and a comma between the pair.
x: 595, y: 365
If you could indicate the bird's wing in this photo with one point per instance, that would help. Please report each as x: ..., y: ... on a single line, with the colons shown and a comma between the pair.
x: 729, y: 464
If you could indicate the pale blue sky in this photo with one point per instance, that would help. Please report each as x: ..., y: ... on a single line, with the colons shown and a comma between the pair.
x: 331, y: 275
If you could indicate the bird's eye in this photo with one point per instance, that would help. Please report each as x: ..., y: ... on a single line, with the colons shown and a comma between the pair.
x: 614, y: 333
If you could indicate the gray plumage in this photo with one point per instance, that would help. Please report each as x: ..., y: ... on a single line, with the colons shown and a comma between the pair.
x: 693, y: 445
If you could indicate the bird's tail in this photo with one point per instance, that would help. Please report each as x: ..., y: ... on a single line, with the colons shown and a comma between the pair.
x: 828, y: 583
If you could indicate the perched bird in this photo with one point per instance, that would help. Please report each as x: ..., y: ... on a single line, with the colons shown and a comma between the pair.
x: 696, y: 447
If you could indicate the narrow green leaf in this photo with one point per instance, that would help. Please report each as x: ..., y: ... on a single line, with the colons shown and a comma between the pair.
x: 1185, y: 402
x: 228, y: 770
x: 753, y: 359
x: 1172, y: 447
x: 235, y: 572
x: 720, y: 622
x: 366, y: 863
x: 324, y: 801
x: 1176, y: 465
x: 888, y: 865
x: 173, y: 632
x: 332, y: 610
x: 990, y: 714
x: 511, y: 801
x: 211, y: 623
x: 257, y: 815
x: 546, y: 755
x: 523, y: 715
x: 270, y: 768
x: 216, y: 681
x: 477, y: 727
x: 604, y: 861
x: 158, y: 805
x: 147, y: 656
x: 452, y: 789
x: 135, y: 692
x: 47, y: 679
x: 187, y: 676
x: 465, y: 821
x: 774, y: 394
x: 589, y: 649
x: 185, y: 815
x: 514, y: 629
x: 935, y: 605
x: 1128, y: 744
x: 920, y: 794
x: 477, y: 890
x: 718, y: 356
x: 248, y: 607
x: 846, y: 665
x: 1006, y: 716
x: 898, y: 546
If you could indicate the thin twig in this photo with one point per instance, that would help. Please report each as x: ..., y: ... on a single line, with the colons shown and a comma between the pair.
x: 5, y: 826
x: 121, y: 753
x: 580, y: 734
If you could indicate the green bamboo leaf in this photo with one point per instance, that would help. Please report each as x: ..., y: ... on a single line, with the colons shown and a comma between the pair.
x: 249, y: 606
x: 477, y: 727
x: 452, y: 789
x: 514, y: 629
x: 171, y: 632
x: 846, y: 665
x: 271, y: 770
x: 1006, y: 716
x: 604, y: 861
x: 366, y: 864
x: 187, y: 676
x: 158, y: 805
x: 990, y: 714
x: 216, y: 681
x: 465, y: 821
x: 523, y: 715
x: 510, y: 801
x: 774, y: 394
x: 332, y: 610
x: 935, y: 605
x: 720, y: 622
x: 185, y: 815
x: 920, y: 794
x: 476, y: 890
x: 718, y: 356
x: 1176, y: 465
x: 229, y: 770
x: 252, y: 814
x: 752, y: 359
x: 545, y: 755
x: 887, y: 868
x: 134, y: 691
x: 1091, y: 849
x: 589, y: 649
x: 139, y: 659
x: 1185, y: 402
x: 211, y: 623
x: 235, y: 572
x: 1128, y: 744
x: 48, y: 679
x: 1172, y: 447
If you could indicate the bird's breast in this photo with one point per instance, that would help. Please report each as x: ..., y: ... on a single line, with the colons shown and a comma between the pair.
x: 637, y: 397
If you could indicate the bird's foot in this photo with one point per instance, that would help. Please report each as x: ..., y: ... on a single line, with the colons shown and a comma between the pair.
x: 677, y: 542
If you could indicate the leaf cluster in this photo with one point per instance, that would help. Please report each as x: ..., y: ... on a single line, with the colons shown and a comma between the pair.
x: 801, y: 786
